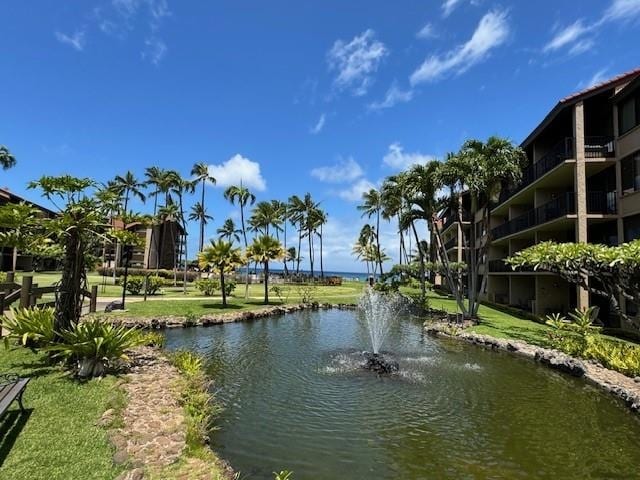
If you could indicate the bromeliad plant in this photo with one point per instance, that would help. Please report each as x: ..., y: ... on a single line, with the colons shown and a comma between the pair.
x: 94, y: 345
x: 31, y: 327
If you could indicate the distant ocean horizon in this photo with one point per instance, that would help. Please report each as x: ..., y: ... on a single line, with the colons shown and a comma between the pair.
x: 359, y: 276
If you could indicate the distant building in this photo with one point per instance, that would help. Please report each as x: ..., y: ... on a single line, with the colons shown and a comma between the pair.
x: 161, y: 248
x: 25, y: 262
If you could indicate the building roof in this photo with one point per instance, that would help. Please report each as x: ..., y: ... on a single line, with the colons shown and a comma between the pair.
x: 572, y: 99
x: 6, y: 196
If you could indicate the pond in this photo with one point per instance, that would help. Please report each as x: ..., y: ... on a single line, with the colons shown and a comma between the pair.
x: 296, y: 399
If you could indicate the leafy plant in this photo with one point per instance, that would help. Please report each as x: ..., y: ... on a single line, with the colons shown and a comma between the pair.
x: 279, y: 291
x: 188, y: 363
x: 31, y: 327
x: 229, y: 287
x: 94, y: 345
x: 208, y: 286
x: 283, y: 475
x: 152, y: 339
x: 307, y: 293
x: 136, y: 283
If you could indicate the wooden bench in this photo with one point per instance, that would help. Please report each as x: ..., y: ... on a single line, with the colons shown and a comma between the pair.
x: 11, y: 388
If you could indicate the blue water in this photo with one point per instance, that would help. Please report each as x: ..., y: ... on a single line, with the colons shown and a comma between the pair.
x: 361, y: 277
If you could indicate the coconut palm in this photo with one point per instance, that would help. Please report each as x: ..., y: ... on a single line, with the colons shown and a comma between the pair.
x: 7, y: 160
x: 199, y: 214
x: 201, y: 172
x: 229, y: 231
x: 372, y: 206
x: 264, y: 249
x: 291, y: 256
x: 181, y: 187
x: 168, y: 215
x: 296, y: 212
x: 130, y: 187
x: 393, y: 193
x: 220, y: 256
x: 318, y: 219
x: 243, y: 196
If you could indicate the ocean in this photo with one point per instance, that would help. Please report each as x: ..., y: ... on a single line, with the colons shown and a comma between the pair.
x: 361, y: 277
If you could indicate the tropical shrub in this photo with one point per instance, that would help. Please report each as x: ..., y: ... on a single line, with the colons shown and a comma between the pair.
x: 283, y: 475
x: 229, y: 287
x: 135, y: 284
x: 94, y: 345
x: 188, y: 363
x: 152, y: 339
x: 166, y: 274
x: 31, y: 327
x: 307, y: 293
x: 208, y: 286
x: 280, y: 292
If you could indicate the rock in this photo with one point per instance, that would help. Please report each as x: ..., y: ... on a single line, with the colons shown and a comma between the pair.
x: 637, y: 379
x: 115, y: 305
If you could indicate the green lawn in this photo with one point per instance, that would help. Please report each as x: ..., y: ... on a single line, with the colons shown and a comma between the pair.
x: 56, y: 438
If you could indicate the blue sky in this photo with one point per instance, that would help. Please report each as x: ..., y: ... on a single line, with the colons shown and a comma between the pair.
x: 327, y: 97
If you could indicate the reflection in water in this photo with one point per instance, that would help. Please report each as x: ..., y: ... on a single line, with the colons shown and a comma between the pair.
x: 296, y: 398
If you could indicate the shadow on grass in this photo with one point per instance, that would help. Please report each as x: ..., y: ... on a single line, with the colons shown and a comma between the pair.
x: 35, y: 369
x: 11, y: 424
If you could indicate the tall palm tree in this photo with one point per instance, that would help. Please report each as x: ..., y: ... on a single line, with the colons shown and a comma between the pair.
x: 168, y: 215
x: 243, y: 196
x: 372, y: 206
x: 201, y: 173
x: 154, y: 176
x: 297, y: 211
x: 318, y: 219
x: 292, y: 255
x: 199, y: 213
x: 229, y: 231
x: 264, y: 249
x: 130, y: 186
x: 7, y: 160
x: 393, y: 205
x: 181, y: 187
x: 222, y: 257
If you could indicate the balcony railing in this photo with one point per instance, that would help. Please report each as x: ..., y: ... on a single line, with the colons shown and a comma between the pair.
x: 450, y: 244
x: 562, y: 151
x: 556, y: 208
x: 602, y: 202
x: 599, y: 147
x: 453, y: 217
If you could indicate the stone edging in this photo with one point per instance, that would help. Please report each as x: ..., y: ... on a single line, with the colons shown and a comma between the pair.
x: 151, y: 433
x: 163, y: 322
x: 619, y: 385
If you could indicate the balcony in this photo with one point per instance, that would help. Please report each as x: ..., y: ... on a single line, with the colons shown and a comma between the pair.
x: 562, y: 151
x: 556, y: 208
x: 602, y: 202
x: 453, y: 218
x: 450, y: 244
x: 599, y: 147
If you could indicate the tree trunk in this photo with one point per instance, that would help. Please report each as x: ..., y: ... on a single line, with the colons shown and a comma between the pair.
x: 14, y: 260
x: 321, y: 262
x: 224, y: 293
x: 69, y: 299
x: 202, y: 220
x: 423, y: 285
x: 246, y: 245
x: 299, y: 247
x: 378, y: 240
x: 266, y: 283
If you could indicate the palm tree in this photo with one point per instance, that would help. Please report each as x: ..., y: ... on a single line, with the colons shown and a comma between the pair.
x: 198, y: 213
x: 130, y: 186
x: 297, y: 210
x: 229, y: 231
x: 319, y: 218
x: 243, y: 196
x: 372, y: 205
x: 180, y: 187
x: 393, y: 205
x: 7, y: 160
x: 167, y: 214
x: 291, y: 256
x: 201, y: 173
x: 264, y: 249
x: 482, y: 168
x: 222, y: 257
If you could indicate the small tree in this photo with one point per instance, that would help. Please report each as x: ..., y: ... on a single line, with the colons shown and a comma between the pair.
x: 264, y: 249
x: 222, y: 257
x: 21, y: 228
x: 78, y: 227
x: 611, y: 272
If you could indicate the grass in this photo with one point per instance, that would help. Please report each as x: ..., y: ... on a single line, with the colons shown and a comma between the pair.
x: 57, y: 437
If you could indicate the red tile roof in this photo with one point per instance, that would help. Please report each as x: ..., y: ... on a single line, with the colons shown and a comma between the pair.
x: 630, y: 75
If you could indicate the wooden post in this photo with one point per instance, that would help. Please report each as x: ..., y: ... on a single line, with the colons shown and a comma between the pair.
x: 1, y: 311
x: 25, y: 291
x: 11, y: 277
x: 33, y: 297
x: 93, y: 301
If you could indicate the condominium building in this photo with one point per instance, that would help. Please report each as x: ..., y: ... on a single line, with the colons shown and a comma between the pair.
x: 581, y: 184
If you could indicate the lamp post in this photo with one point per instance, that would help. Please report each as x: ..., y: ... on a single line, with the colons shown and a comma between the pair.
x: 128, y: 253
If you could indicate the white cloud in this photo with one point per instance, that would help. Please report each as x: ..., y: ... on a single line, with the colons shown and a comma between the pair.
x: 448, y: 6
x: 356, y: 61
x: 343, y: 171
x: 393, y: 96
x: 624, y: 10
x: 317, y: 128
x: 76, y: 40
x: 397, y: 158
x: 238, y: 169
x: 492, y: 31
x: 598, y: 77
x: 155, y: 50
x: 567, y: 36
x: 428, y: 31
x: 355, y: 191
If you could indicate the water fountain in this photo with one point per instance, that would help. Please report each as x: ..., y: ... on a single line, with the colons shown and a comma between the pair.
x: 379, y: 311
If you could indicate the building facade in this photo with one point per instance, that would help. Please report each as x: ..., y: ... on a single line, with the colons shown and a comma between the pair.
x: 581, y: 184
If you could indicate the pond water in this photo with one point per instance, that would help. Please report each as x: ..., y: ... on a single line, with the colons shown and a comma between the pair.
x: 296, y: 399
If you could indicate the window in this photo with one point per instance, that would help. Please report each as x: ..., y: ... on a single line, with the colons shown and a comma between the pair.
x: 631, y: 173
x: 629, y: 113
x: 631, y: 228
